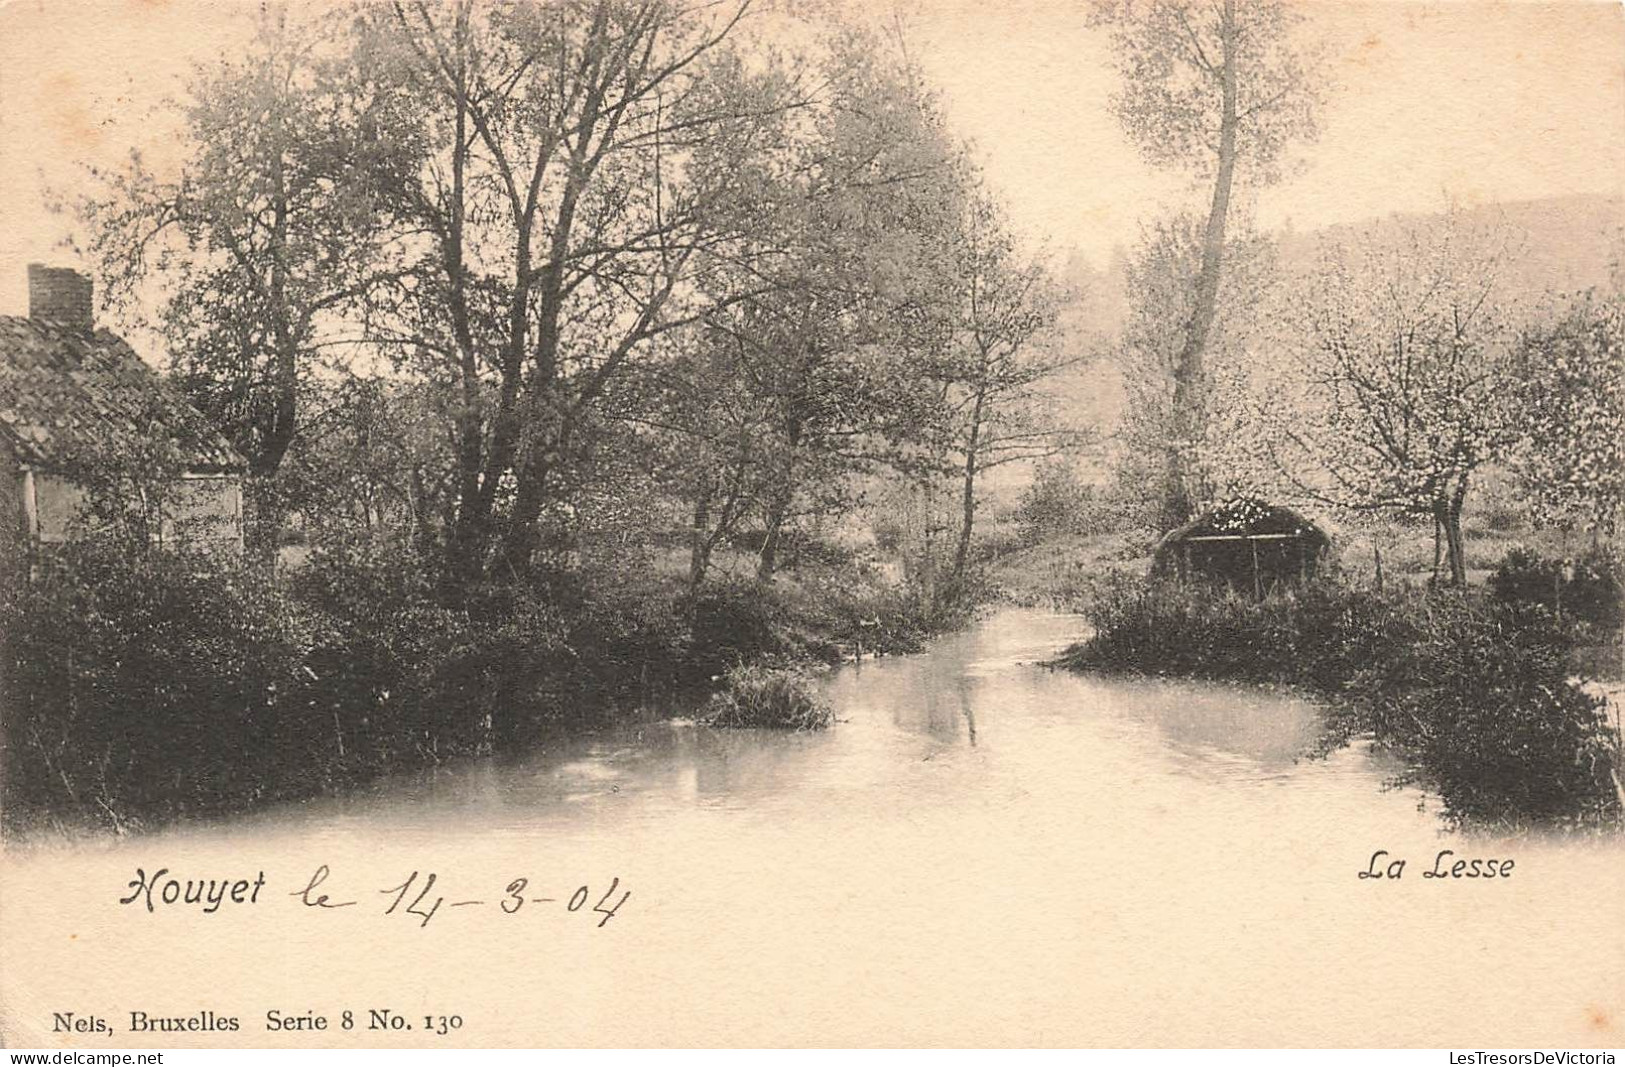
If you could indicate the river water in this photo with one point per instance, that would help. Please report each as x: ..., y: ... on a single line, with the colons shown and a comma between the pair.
x: 980, y: 851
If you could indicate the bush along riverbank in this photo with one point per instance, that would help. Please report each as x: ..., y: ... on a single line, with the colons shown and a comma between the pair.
x: 1476, y: 692
x: 138, y: 687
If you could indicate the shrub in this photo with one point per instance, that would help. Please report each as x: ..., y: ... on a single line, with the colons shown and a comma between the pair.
x: 1588, y: 588
x: 767, y: 697
x: 402, y: 676
x: 1478, y: 695
x: 612, y: 632
x: 748, y: 622
x: 1058, y: 502
x: 890, y: 619
x: 160, y: 682
x: 139, y: 687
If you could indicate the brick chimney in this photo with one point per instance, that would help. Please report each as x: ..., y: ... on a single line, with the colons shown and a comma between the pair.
x: 62, y: 296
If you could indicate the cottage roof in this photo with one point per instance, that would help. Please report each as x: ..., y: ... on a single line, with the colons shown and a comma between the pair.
x: 66, y: 394
x: 1247, y: 517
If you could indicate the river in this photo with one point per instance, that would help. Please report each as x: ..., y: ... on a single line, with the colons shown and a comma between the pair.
x: 981, y: 850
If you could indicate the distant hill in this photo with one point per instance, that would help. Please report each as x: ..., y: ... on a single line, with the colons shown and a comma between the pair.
x: 1561, y: 244
x: 1557, y: 244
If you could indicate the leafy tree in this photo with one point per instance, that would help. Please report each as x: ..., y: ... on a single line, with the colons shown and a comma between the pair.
x: 373, y: 461
x: 1217, y: 87
x: 839, y: 297
x: 584, y: 168
x: 1002, y: 354
x: 269, y: 229
x: 1148, y: 352
x: 713, y: 424
x: 1058, y: 502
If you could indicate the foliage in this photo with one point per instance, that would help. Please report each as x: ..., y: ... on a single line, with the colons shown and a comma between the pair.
x: 1587, y: 588
x: 1215, y: 87
x: 821, y: 617
x: 268, y: 231
x: 503, y: 303
x: 1002, y: 352
x: 767, y: 697
x: 548, y: 223
x: 1058, y: 502
x: 823, y: 334
x: 579, y: 175
x: 1154, y: 446
x: 1400, y: 384
x: 1476, y: 694
x: 737, y: 623
x: 371, y: 462
x: 141, y: 687
x: 1190, y: 69
x: 1570, y: 392
x: 151, y: 681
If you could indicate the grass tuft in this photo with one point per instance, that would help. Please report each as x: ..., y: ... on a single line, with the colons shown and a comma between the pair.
x: 756, y: 696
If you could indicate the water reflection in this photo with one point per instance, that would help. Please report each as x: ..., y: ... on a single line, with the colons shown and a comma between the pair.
x: 973, y: 822
x: 977, y: 720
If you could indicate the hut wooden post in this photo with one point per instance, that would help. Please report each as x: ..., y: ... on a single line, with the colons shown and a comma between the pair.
x: 1258, y: 582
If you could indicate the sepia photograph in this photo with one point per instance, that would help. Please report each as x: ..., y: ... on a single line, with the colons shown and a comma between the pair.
x: 812, y: 523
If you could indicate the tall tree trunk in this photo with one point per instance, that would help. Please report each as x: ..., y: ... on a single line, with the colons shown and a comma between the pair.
x: 465, y: 547
x: 1190, y: 416
x: 699, y: 553
x: 1447, y: 511
x: 523, y: 534
x: 277, y: 434
x: 1455, y: 545
x: 778, y: 508
x: 967, y: 522
x: 1454, y: 549
x: 540, y: 415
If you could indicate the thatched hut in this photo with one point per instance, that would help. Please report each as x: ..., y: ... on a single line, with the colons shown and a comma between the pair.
x: 1246, y: 544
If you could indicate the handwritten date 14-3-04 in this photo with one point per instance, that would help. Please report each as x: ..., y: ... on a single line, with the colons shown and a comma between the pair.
x: 420, y: 897
x: 421, y: 894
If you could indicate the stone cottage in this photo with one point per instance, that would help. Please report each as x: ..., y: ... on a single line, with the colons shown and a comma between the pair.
x: 76, y: 401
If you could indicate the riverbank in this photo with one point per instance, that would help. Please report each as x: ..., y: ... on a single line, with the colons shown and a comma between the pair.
x: 985, y: 824
x: 141, y: 688
x: 1478, y: 695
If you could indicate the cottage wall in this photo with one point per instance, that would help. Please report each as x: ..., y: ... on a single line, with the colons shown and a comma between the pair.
x: 59, y: 505
x: 205, y: 508
x: 68, y: 393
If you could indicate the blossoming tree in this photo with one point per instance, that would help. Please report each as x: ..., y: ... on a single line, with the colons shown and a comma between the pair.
x: 1393, y: 379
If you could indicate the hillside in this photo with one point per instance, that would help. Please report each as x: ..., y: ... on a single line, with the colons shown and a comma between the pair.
x: 1555, y: 245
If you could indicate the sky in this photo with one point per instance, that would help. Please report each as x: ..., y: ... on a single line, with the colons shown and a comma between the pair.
x: 1467, y: 100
